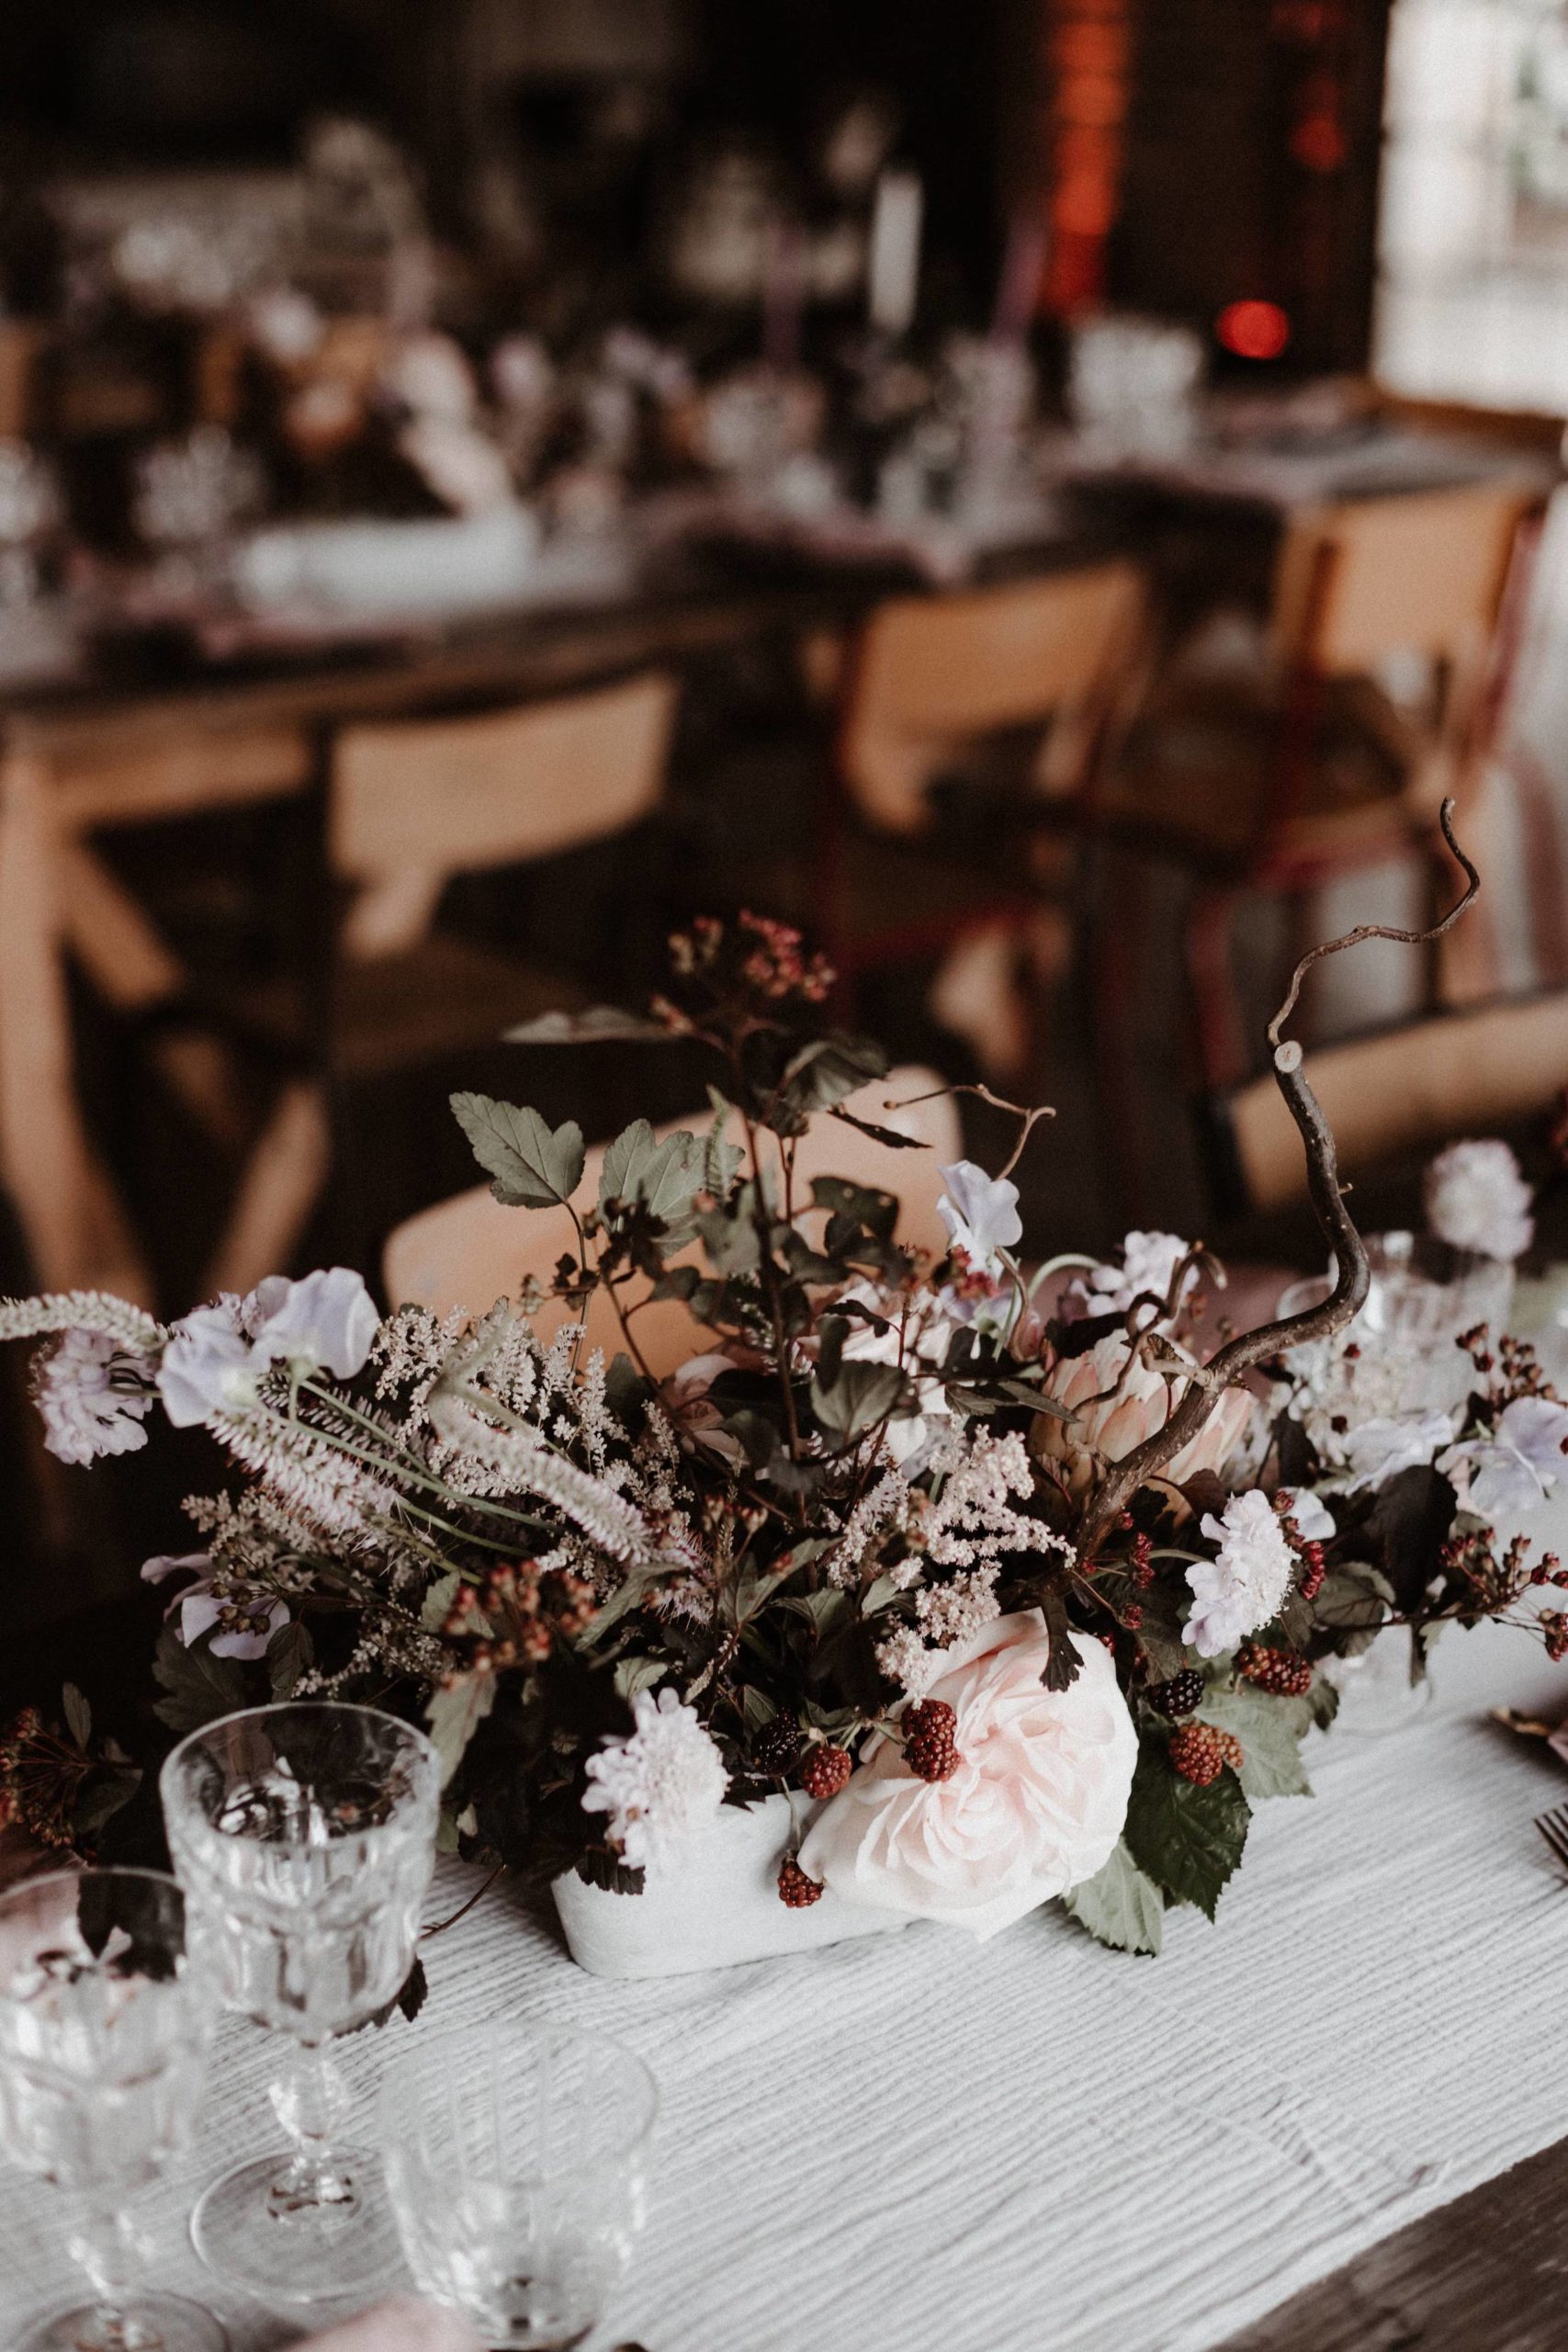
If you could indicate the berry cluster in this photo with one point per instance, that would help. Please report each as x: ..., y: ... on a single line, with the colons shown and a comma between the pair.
x: 1179, y: 1695
x: 927, y: 1730
x: 776, y: 1746
x: 794, y: 1888
x: 825, y: 1772
x: 512, y: 1615
x: 1281, y: 1673
x: 1200, y: 1752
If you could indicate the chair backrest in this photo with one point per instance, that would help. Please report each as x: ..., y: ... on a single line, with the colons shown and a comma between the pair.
x: 417, y: 801
x: 1401, y: 1092
x: 469, y: 1251
x: 931, y: 673
x: 1420, y: 573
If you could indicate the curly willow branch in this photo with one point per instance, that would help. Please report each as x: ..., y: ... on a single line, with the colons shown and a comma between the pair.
x: 1352, y: 1273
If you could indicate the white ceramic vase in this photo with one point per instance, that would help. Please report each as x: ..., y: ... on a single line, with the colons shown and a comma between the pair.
x: 716, y: 1907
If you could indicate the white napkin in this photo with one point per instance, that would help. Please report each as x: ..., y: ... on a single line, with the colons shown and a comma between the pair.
x: 403, y: 2324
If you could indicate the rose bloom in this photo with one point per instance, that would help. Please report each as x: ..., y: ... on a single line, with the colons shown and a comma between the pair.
x: 1035, y: 1806
x: 1108, y: 1430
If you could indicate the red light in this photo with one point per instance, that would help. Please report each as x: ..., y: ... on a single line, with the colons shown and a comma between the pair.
x: 1253, y: 330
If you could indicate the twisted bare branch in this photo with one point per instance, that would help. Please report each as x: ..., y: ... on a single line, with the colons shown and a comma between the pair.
x: 1230, y: 1365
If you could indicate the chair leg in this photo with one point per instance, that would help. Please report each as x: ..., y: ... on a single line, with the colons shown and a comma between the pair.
x: 1114, y: 970
x: 1211, y: 922
x: 280, y: 1187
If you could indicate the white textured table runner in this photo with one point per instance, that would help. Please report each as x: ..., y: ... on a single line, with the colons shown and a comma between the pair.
x: 916, y: 2141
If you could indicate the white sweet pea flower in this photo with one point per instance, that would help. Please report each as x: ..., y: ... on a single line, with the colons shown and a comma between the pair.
x: 327, y: 1321
x: 981, y: 1213
x: 916, y: 1333
x: 1378, y: 1449
x: 1514, y: 1472
x: 249, y: 1619
x: 208, y: 1366
x: 1313, y: 1518
x: 1245, y: 1585
x: 1476, y: 1199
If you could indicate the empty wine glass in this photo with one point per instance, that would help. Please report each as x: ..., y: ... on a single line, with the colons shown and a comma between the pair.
x: 304, y: 1837
x: 515, y: 2157
x: 104, y: 2031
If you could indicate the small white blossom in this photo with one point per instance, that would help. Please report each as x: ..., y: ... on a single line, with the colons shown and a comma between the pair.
x: 659, y: 1784
x: 906, y: 1660
x: 1245, y: 1585
x: 1315, y: 1522
x: 249, y: 1618
x: 1476, y: 1199
x: 92, y: 1395
x: 1149, y: 1262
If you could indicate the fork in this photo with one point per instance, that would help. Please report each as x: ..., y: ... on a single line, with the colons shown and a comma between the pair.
x: 1553, y: 1827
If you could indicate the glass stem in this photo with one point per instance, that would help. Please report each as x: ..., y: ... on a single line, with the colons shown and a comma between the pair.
x: 311, y: 2101
x: 104, y: 2249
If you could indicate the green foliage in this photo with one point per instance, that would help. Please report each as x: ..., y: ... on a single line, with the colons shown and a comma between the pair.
x: 1189, y: 1840
x: 1271, y: 1732
x: 288, y: 1654
x: 453, y: 1714
x: 532, y: 1165
x: 664, y: 1178
x: 198, y: 1687
x: 1352, y: 1606
x: 1121, y: 1906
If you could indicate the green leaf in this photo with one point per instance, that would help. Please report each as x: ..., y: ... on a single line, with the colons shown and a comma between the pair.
x: 78, y: 1714
x: 729, y: 1233
x: 1270, y: 1732
x: 597, y: 1023
x: 1120, y: 1905
x: 861, y: 1395
x: 455, y: 1713
x: 635, y: 1674
x: 827, y: 1070
x: 664, y: 1177
x: 102, y: 1795
x: 596, y: 1866
x: 889, y: 1137
x: 288, y: 1653
x: 1353, y: 1603
x: 532, y: 1165
x: 435, y: 1609
x: 201, y: 1687
x: 1189, y: 1840
x: 877, y: 1211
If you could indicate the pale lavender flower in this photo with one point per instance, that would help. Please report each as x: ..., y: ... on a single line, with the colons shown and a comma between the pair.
x: 660, y: 1784
x: 1514, y: 1472
x: 209, y: 1365
x: 1376, y: 1451
x: 249, y: 1618
x: 1476, y: 1199
x: 93, y: 1395
x: 1315, y: 1522
x: 1245, y: 1585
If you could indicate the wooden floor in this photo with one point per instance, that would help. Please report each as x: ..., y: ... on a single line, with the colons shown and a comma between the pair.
x: 1488, y: 2273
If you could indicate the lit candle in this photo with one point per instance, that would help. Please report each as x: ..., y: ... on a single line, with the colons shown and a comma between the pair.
x: 895, y: 270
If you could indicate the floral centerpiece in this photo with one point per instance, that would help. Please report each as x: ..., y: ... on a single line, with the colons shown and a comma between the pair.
x: 1021, y: 1584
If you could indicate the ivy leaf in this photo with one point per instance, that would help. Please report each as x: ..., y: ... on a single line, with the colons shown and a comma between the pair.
x: 596, y: 1866
x: 860, y: 1395
x: 823, y: 1072
x: 532, y: 1165
x: 78, y: 1714
x: 1189, y: 1840
x: 858, y: 1203
x: 1120, y: 1905
x: 201, y: 1687
x: 288, y: 1653
x: 597, y: 1023
x: 455, y: 1713
x: 663, y: 1177
x: 1271, y: 1732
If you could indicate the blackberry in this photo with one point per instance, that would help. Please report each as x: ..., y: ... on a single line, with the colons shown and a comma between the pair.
x: 1280, y: 1672
x: 824, y: 1771
x: 1179, y: 1695
x: 928, y: 1732
x: 776, y: 1746
x: 794, y: 1888
x: 1200, y: 1752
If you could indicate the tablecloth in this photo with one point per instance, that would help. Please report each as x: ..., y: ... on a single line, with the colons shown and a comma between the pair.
x: 919, y: 2142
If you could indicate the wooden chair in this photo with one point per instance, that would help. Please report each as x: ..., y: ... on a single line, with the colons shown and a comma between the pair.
x: 467, y: 1252
x: 1009, y: 694
x: 1327, y: 770
x: 410, y: 806
x: 1395, y: 1094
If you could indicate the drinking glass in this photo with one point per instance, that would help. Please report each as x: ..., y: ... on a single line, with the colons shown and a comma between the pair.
x: 104, y: 2031
x: 515, y: 2157
x: 304, y: 1837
